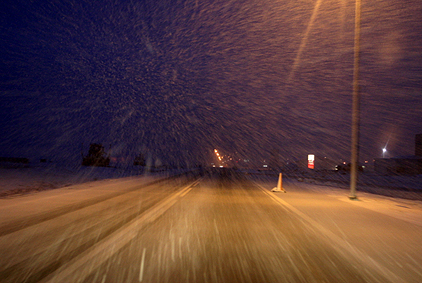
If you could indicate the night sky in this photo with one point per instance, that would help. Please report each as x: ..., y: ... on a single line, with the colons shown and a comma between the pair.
x: 176, y: 79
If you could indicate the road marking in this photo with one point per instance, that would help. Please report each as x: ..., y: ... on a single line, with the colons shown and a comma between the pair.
x: 341, y: 246
x: 141, y: 271
x: 105, y: 249
x: 189, y: 188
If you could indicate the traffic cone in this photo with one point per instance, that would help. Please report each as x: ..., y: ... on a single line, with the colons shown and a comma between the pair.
x: 279, y: 187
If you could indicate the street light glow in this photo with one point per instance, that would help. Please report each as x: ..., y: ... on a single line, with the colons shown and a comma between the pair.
x: 384, y: 150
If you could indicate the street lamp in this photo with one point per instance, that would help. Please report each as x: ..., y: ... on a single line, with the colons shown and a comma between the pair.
x: 356, y: 106
x: 384, y: 150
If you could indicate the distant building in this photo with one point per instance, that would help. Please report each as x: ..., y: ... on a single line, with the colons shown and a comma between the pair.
x: 418, y: 145
x: 319, y: 164
x: 411, y: 165
x: 14, y: 160
x: 402, y: 165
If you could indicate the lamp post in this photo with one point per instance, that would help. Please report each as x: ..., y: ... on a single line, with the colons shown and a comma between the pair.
x: 384, y: 150
x: 356, y: 106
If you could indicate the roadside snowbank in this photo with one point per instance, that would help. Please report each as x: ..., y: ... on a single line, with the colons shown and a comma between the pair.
x: 405, y: 187
x: 22, y: 179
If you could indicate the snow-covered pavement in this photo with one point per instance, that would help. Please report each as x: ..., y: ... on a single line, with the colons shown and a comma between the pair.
x: 222, y: 227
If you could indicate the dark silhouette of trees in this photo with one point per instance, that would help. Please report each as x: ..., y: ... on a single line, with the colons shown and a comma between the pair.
x: 139, y: 160
x: 96, y: 156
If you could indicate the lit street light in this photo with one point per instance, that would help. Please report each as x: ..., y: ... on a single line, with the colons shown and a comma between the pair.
x: 384, y: 150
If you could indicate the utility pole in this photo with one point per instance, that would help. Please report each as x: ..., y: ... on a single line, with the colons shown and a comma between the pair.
x: 356, y: 106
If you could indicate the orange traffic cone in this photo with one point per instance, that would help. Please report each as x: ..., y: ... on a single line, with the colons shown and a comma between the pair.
x: 279, y: 187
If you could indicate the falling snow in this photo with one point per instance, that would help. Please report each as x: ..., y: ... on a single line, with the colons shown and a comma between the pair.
x: 176, y: 79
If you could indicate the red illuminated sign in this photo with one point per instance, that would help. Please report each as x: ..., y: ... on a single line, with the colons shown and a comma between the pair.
x: 311, y: 161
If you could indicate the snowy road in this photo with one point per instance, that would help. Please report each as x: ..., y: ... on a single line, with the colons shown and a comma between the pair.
x: 220, y: 228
